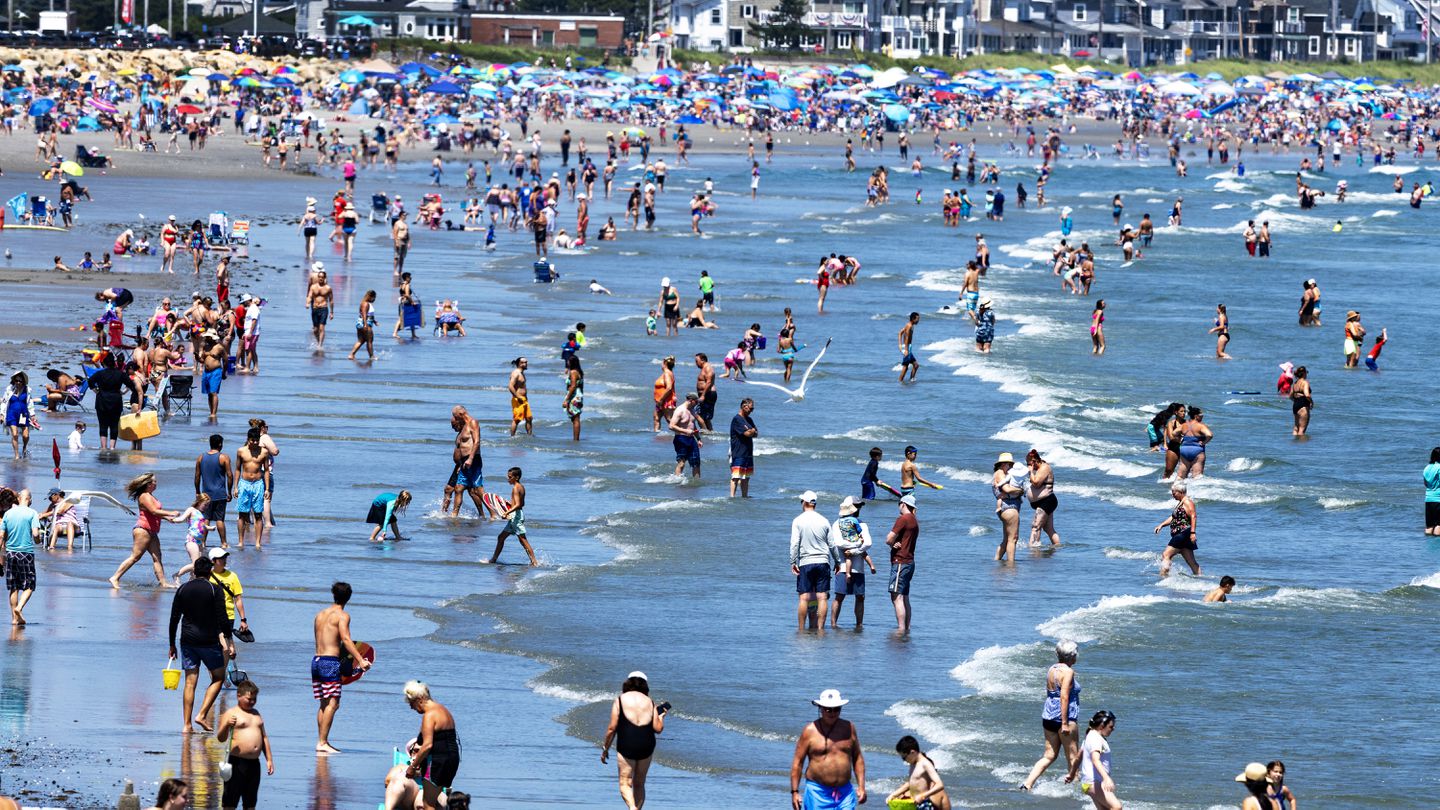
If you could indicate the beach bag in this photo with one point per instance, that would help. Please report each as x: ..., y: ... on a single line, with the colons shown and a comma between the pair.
x: 170, y: 676
x: 136, y: 427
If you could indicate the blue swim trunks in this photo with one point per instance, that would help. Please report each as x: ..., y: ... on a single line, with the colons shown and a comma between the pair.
x: 686, y: 450
x: 209, y: 656
x: 972, y: 300
x: 251, y: 496
x: 471, y: 477
x: 210, y: 381
x: 867, y: 490
x: 822, y: 797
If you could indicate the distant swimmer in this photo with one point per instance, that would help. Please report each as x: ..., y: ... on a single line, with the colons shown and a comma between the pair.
x: 1221, y: 592
x: 1354, y: 338
x: 1221, y: 331
x: 907, y: 356
x: 1372, y: 360
x: 1097, y: 328
x: 1300, y: 402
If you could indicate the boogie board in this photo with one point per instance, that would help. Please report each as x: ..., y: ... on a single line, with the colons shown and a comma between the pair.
x: 888, y: 488
x: 495, y: 502
x: 348, y: 672
x: 34, y: 228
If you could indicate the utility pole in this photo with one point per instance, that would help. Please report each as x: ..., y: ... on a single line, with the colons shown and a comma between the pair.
x: 1100, y: 35
x: 170, y: 17
x: 255, y: 27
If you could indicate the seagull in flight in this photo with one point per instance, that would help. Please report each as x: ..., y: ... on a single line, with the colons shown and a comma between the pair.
x: 797, y: 394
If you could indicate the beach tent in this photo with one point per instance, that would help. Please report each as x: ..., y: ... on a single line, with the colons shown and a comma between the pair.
x: 87, y: 123
x: 358, y: 19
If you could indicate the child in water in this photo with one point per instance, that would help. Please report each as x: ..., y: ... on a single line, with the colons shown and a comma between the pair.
x: 1219, y: 594
x: 735, y: 361
x: 650, y: 324
x: 923, y: 785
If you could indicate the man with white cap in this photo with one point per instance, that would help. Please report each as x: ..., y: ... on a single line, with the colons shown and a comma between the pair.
x: 901, y: 541
x: 810, y: 550
x: 850, y: 549
x: 319, y: 299
x: 832, y: 746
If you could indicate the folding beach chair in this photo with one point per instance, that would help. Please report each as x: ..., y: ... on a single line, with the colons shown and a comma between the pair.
x: 181, y: 393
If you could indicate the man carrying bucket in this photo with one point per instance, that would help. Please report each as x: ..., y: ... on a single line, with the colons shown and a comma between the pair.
x: 199, y: 611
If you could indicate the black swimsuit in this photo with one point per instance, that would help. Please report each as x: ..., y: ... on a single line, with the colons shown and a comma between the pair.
x: 634, y: 742
x: 444, y: 759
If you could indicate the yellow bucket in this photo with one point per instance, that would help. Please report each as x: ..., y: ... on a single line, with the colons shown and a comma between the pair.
x: 902, y: 804
x: 171, y: 675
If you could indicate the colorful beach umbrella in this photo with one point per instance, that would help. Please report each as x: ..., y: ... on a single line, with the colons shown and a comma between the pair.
x: 72, y: 168
x: 188, y: 109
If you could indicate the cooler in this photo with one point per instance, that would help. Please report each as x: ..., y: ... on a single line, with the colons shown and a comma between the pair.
x: 136, y: 427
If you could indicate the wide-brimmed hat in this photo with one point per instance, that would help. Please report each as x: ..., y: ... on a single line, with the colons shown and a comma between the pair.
x: 1351, y: 315
x: 1254, y: 772
x: 985, y: 303
x: 1004, y: 458
x: 850, y: 506
x: 1287, y: 366
x: 830, y: 699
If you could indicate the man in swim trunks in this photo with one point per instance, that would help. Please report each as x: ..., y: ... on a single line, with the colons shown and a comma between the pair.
x: 832, y: 747
x: 469, y: 466
x: 910, y: 474
x: 970, y: 292
x: 705, y: 387
x: 213, y: 359
x: 319, y: 299
x: 687, y: 436
x: 332, y: 633
x: 252, y: 487
x: 520, y: 399
x: 907, y: 357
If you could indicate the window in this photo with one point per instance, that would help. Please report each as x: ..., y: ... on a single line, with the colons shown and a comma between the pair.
x: 737, y: 37
x: 589, y: 35
x: 842, y: 39
x: 1314, y: 46
x: 714, y: 16
x: 747, y: 12
x: 1078, y: 12
x: 853, y: 8
x: 1350, y: 45
x: 1292, y: 15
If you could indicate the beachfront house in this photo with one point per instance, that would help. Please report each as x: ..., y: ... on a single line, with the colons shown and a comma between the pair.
x: 439, y: 20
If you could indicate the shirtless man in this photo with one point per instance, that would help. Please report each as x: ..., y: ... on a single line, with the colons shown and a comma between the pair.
x: 213, y: 361
x: 907, y: 357
x: 832, y: 746
x: 400, y: 234
x: 244, y: 729
x: 520, y: 399
x: 970, y: 290
x: 910, y: 474
x: 319, y: 300
x: 252, y: 486
x: 332, y: 633
x: 705, y: 387
x: 469, y: 466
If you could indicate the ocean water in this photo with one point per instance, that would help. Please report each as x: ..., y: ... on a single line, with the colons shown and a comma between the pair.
x: 1316, y: 661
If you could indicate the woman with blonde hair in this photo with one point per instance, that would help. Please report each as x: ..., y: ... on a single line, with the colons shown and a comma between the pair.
x: 436, y: 757
x: 145, y: 537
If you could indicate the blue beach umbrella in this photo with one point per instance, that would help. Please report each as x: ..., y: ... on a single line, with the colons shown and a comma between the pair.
x: 352, y: 77
x: 897, y: 112
x: 40, y: 106
x: 445, y: 88
x: 217, y: 77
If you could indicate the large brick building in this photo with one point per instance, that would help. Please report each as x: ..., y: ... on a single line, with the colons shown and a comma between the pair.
x: 547, y: 30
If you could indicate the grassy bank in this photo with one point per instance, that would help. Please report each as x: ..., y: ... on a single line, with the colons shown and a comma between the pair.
x: 1229, y: 68
x: 406, y: 49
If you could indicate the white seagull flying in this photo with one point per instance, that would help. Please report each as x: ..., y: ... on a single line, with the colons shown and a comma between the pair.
x: 797, y: 394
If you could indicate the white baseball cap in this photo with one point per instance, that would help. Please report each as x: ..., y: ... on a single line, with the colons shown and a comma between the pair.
x: 808, y: 496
